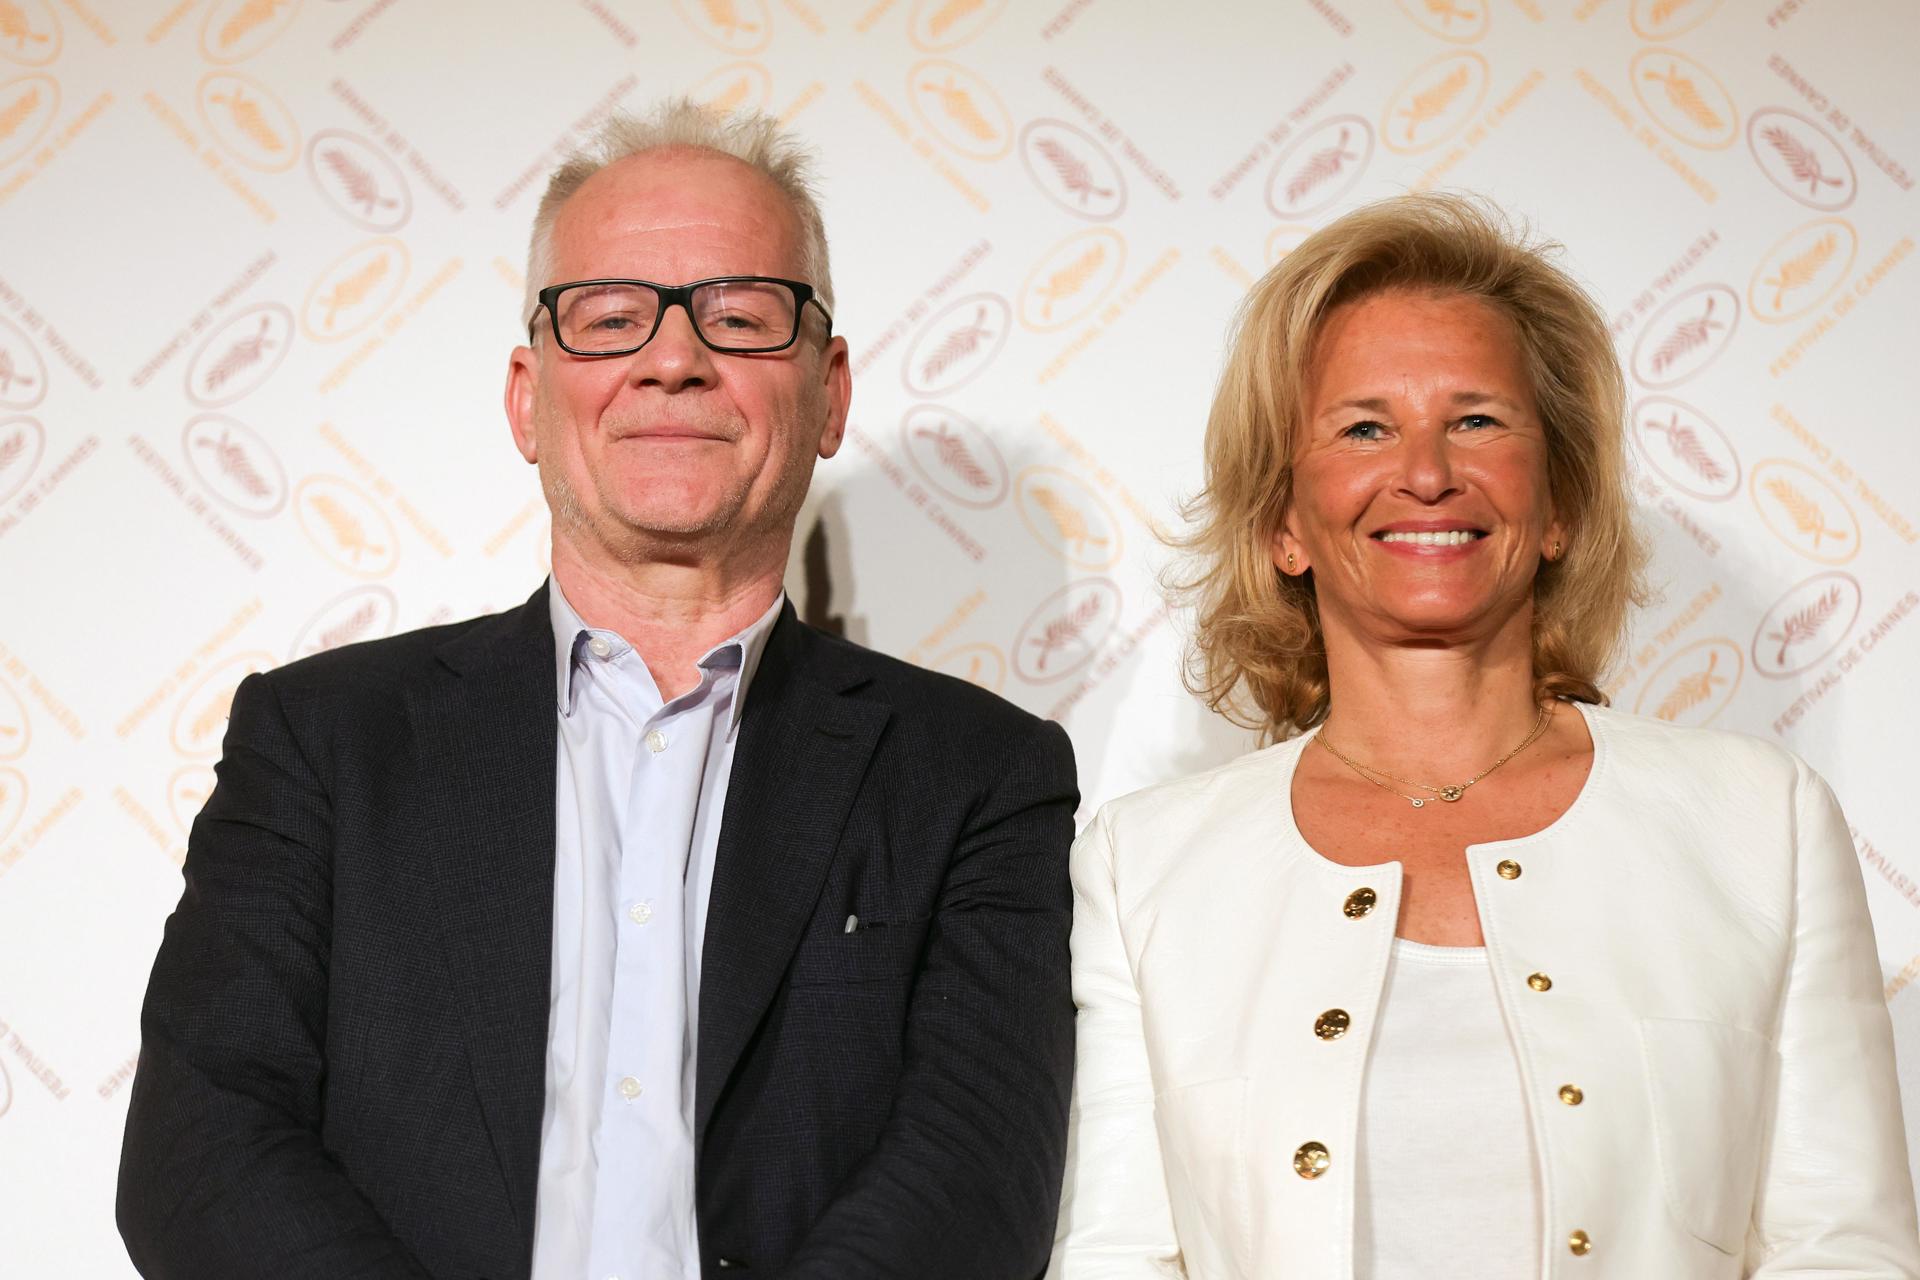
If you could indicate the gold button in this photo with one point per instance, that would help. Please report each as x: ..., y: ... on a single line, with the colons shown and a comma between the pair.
x: 1540, y: 982
x: 1571, y: 1095
x: 1360, y: 902
x: 1332, y: 1024
x: 1508, y: 869
x: 1311, y: 1160
x: 1580, y: 1244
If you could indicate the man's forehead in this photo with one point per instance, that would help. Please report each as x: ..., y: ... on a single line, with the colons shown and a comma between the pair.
x: 678, y: 195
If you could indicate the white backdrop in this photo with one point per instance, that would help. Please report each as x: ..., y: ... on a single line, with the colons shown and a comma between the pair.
x: 260, y: 266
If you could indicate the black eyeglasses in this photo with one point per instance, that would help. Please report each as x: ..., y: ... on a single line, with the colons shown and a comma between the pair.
x: 740, y: 315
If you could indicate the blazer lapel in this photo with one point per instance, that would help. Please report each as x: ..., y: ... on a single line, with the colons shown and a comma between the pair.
x: 804, y: 747
x: 494, y: 723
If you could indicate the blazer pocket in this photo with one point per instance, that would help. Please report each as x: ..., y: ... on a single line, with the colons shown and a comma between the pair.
x: 1706, y: 1082
x: 878, y: 953
x: 1203, y: 1133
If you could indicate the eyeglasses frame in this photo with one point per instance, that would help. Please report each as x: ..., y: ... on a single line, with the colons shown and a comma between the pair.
x: 679, y: 295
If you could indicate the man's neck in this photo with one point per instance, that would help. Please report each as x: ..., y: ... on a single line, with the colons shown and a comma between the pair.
x: 671, y: 613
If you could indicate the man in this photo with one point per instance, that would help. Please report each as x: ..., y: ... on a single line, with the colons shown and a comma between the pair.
x: 641, y: 931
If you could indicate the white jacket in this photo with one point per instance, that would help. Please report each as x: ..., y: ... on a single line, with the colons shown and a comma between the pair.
x: 1688, y: 945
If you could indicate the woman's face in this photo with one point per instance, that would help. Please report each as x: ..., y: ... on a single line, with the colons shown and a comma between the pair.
x: 1420, y: 496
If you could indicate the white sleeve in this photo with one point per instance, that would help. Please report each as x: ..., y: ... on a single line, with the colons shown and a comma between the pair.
x: 1115, y: 1219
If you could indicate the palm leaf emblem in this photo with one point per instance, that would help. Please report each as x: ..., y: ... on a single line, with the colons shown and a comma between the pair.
x: 357, y: 181
x: 1803, y: 162
x: 236, y: 465
x: 1068, y: 521
x: 951, y: 12
x: 955, y: 456
x: 1687, y: 336
x: 15, y: 27
x: 1064, y: 630
x: 1665, y: 9
x: 1071, y: 279
x: 1800, y: 271
x: 1447, y: 11
x: 1805, y: 624
x: 961, y: 109
x: 1072, y: 171
x: 1324, y: 165
x: 12, y: 448
x: 353, y: 290
x: 348, y: 532
x: 1807, y: 515
x: 247, y: 18
x: 347, y: 629
x: 730, y: 97
x: 250, y: 120
x: 1684, y: 441
x: 957, y: 346
x: 1686, y: 98
x: 17, y: 112
x: 726, y: 16
x: 241, y: 355
x: 1691, y: 690
x: 1432, y: 102
x: 210, y: 717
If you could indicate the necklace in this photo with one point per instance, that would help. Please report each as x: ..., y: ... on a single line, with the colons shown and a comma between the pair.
x: 1449, y: 793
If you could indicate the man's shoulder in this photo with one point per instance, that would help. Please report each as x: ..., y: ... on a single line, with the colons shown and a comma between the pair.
x: 914, y: 692
x: 376, y: 669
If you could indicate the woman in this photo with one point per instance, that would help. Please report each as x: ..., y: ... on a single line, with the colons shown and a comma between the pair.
x: 1468, y: 975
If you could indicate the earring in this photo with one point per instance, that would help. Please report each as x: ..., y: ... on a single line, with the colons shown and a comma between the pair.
x: 1556, y: 550
x: 1289, y: 559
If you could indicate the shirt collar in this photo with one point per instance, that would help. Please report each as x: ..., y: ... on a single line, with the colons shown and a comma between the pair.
x: 743, y: 648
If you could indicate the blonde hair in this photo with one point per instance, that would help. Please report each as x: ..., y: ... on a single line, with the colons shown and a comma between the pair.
x: 1258, y: 655
x: 753, y: 138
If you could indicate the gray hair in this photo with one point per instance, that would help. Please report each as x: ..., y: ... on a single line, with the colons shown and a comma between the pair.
x: 751, y: 137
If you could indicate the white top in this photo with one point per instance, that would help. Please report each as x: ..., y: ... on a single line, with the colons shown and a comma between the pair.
x: 640, y: 786
x: 1446, y: 1183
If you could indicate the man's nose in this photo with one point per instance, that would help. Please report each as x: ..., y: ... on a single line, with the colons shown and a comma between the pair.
x: 674, y: 359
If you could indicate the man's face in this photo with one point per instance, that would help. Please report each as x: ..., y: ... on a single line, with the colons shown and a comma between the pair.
x: 676, y: 451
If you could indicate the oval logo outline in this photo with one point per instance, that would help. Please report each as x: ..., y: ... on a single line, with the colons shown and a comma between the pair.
x: 1091, y: 274
x: 1696, y: 689
x: 963, y: 454
x: 1307, y: 174
x: 232, y: 471
x: 1073, y: 169
x: 1060, y: 524
x: 1805, y: 515
x: 957, y: 348
x: 252, y: 358
x: 341, y: 533
x: 1691, y: 345
x: 962, y: 121
x: 1704, y: 463
x: 1431, y: 96
x: 1801, y: 161
x: 1061, y: 624
x: 20, y: 453
x: 1793, y: 270
x: 1685, y: 101
x: 352, y: 287
x: 372, y: 620
x: 356, y: 166
x: 248, y: 131
x: 1804, y: 624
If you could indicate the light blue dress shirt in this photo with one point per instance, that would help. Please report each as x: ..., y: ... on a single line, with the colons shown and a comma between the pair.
x: 640, y: 789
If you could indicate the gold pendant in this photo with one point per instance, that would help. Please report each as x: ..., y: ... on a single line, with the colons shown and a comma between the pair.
x: 1417, y: 802
x: 1451, y: 794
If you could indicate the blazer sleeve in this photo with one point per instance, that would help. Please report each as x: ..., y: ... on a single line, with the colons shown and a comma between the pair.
x: 1116, y: 1222
x: 1835, y: 1197
x: 222, y: 1172
x: 964, y: 1181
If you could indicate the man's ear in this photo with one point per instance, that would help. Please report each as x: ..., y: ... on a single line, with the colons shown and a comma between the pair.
x: 523, y: 384
x: 839, y: 387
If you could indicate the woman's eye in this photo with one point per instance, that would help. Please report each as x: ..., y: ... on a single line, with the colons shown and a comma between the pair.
x: 1364, y: 431
x: 1478, y: 420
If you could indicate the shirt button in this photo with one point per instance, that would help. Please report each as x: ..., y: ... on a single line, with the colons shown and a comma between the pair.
x: 1311, y: 1160
x: 1359, y: 903
x: 1332, y: 1024
x: 640, y: 912
x: 1572, y: 1095
x: 629, y: 1088
x: 1508, y: 869
x: 1540, y: 982
x: 656, y: 741
x: 1580, y: 1244
x: 598, y: 646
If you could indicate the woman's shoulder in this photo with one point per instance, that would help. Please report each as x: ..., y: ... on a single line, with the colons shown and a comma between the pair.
x: 1248, y: 788
x: 1732, y: 763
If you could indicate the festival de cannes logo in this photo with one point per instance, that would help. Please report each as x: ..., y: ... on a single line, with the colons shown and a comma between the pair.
x: 235, y: 30
x: 246, y: 119
x: 738, y: 86
x: 1434, y: 102
x: 359, y: 180
x: 954, y: 455
x: 23, y: 375
x: 200, y: 721
x: 13, y: 804
x: 1686, y: 335
x: 1686, y: 449
x: 939, y: 25
x: 1319, y: 167
x: 1802, y: 159
x: 363, y: 613
x: 235, y: 359
x: 235, y: 464
x: 956, y: 344
x: 1071, y: 279
x: 979, y: 664
x: 346, y: 526
x: 1067, y: 629
x: 737, y: 26
x: 1073, y: 170
x: 1695, y: 684
x: 1686, y: 99
x: 22, y: 441
x: 351, y: 293
x: 1665, y: 19
x: 960, y: 108
x: 29, y: 32
x: 1068, y: 517
x: 15, y: 730
x: 1801, y: 270
x: 1461, y: 21
x: 187, y: 793
x: 1806, y: 624
x: 1804, y: 511
x: 27, y: 107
